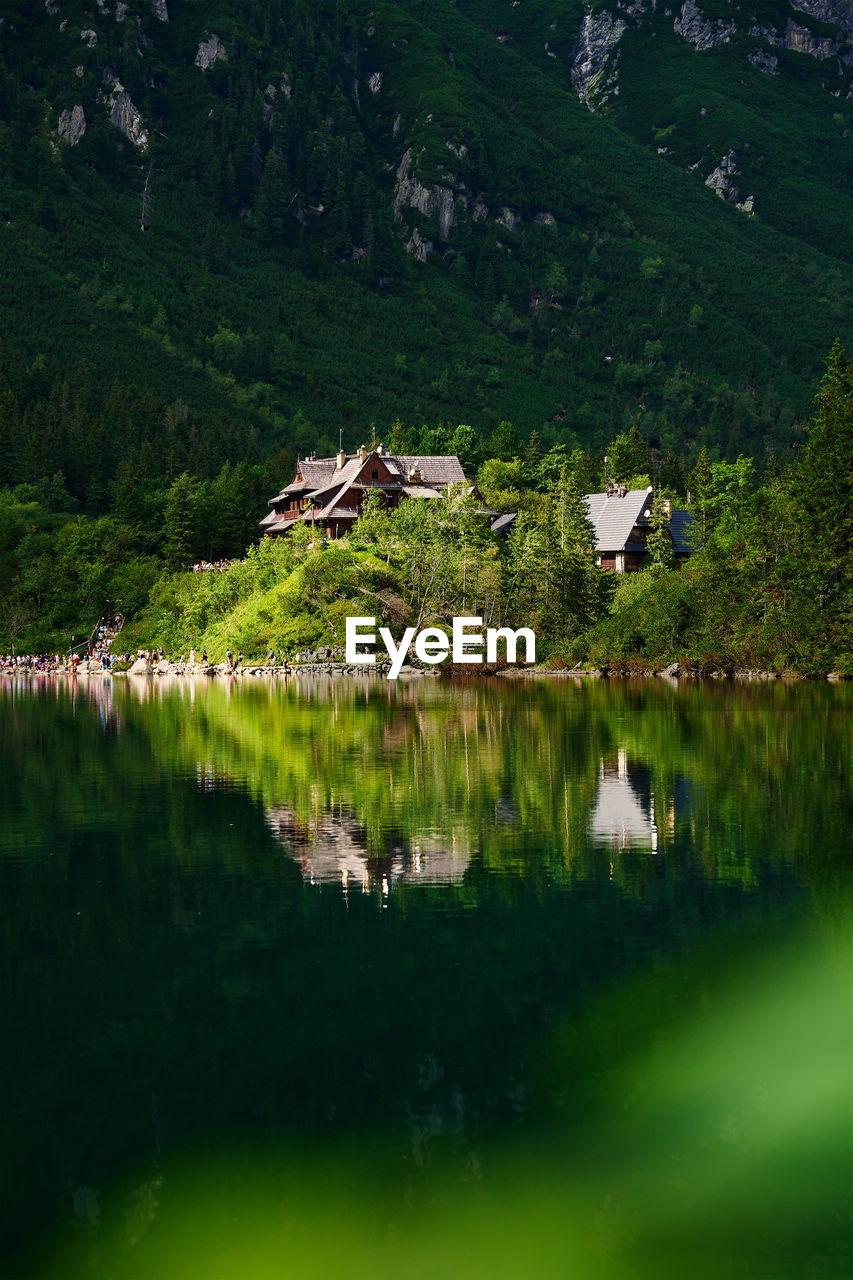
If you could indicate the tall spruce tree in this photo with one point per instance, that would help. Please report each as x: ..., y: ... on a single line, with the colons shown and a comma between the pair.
x: 823, y: 485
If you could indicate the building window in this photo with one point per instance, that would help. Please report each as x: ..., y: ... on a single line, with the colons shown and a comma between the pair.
x: 374, y: 475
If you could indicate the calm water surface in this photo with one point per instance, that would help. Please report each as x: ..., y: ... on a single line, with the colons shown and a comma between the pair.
x: 512, y: 978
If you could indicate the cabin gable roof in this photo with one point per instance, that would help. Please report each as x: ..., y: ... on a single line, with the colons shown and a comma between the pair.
x: 614, y: 518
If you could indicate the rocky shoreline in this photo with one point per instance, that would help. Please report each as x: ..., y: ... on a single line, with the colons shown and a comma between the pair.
x: 670, y: 674
x: 675, y: 671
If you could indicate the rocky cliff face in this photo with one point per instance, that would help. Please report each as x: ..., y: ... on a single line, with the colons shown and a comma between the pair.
x: 427, y: 180
x: 112, y: 35
x: 608, y: 39
x: 837, y: 12
x: 596, y: 54
x: 209, y: 51
x: 434, y: 202
x: 595, y: 61
x: 701, y: 32
x: 721, y: 180
x: 123, y: 115
x: 72, y: 125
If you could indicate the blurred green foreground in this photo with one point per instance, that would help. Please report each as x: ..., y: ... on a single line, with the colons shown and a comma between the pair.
x: 716, y: 1141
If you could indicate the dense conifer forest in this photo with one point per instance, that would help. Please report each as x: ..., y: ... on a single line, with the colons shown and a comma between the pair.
x: 227, y: 237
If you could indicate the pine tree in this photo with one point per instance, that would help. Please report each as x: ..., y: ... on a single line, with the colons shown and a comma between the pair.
x: 700, y: 488
x: 659, y: 541
x: 639, y: 461
x: 670, y: 476
x: 504, y: 442
x: 572, y: 580
x: 823, y: 480
x: 180, y: 520
x: 533, y: 455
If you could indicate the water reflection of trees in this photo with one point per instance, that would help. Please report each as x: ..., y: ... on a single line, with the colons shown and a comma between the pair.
x: 158, y: 945
x: 428, y: 779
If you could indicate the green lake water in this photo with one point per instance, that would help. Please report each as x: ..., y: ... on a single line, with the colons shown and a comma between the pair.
x: 502, y: 978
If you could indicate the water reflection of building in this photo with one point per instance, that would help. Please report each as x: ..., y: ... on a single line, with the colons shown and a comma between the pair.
x: 333, y: 849
x: 624, y: 814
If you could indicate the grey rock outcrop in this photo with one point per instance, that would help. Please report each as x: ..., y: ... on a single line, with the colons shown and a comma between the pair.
x: 89, y: 37
x: 594, y: 64
x: 141, y: 667
x: 210, y: 51
x: 801, y: 40
x: 374, y: 82
x: 764, y: 61
x: 417, y: 247
x: 701, y: 32
x: 72, y: 125
x: 838, y: 12
x: 508, y: 218
x: 125, y: 117
x: 434, y: 202
x: 158, y: 8
x: 722, y: 181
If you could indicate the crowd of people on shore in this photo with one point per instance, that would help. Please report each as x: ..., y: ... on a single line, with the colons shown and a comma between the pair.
x: 96, y: 654
x: 99, y: 655
x: 46, y: 663
x: 96, y: 648
x: 43, y: 662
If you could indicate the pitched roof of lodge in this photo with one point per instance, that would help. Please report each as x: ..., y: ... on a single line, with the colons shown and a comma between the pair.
x: 614, y: 519
x: 320, y: 474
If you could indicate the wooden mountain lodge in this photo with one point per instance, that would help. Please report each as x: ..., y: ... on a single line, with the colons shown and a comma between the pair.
x: 621, y: 519
x: 328, y: 493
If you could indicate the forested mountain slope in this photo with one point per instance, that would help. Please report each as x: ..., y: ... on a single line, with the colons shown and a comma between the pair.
x: 258, y: 222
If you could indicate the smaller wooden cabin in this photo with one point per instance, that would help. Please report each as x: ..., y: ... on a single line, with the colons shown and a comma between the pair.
x: 621, y: 519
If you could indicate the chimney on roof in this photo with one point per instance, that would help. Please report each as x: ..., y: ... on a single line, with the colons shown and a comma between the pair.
x: 341, y: 459
x: 415, y: 474
x: 362, y: 452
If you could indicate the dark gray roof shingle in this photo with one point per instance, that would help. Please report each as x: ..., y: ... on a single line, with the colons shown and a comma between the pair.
x: 614, y: 518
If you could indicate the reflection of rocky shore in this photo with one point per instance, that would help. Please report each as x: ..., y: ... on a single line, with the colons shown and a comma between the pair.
x: 624, y: 813
x: 333, y: 849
